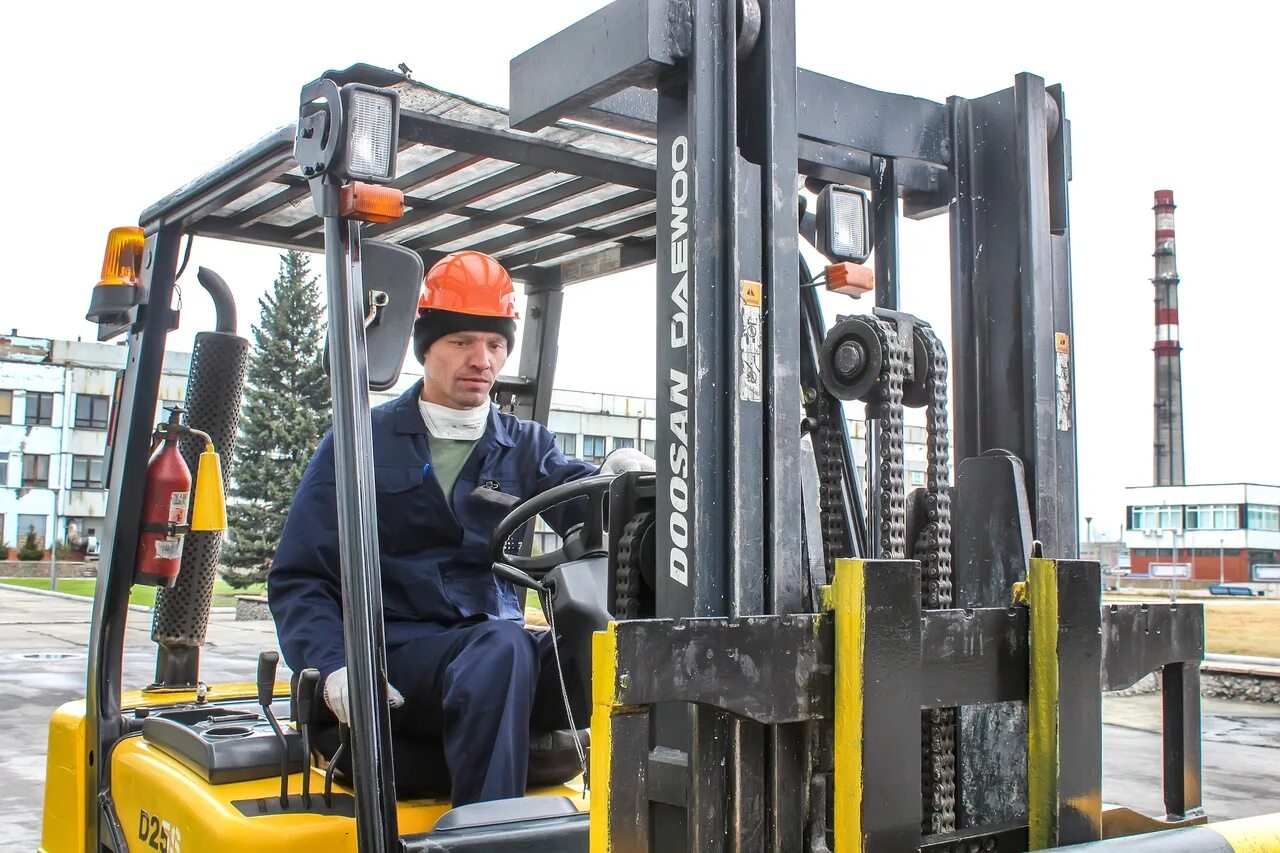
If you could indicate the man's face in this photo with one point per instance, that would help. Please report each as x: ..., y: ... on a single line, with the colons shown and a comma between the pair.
x: 460, y: 369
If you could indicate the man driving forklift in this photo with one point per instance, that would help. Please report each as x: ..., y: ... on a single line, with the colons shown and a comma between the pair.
x: 461, y: 666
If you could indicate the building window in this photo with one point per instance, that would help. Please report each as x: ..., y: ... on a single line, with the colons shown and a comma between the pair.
x: 623, y: 442
x: 6, y: 407
x: 35, y: 470
x: 593, y: 448
x: 1155, y: 518
x: 568, y: 444
x: 4, y: 468
x: 86, y: 472
x: 39, y: 408
x: 92, y: 411
x: 1213, y: 517
x: 917, y: 478
x: 1263, y: 517
x: 28, y: 524
x: 650, y: 449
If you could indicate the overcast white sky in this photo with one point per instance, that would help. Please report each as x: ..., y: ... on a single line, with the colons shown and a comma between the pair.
x: 114, y: 106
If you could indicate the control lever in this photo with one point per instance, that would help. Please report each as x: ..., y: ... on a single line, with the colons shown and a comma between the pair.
x: 513, y: 575
x: 266, y: 692
x: 344, y: 739
x: 308, y: 682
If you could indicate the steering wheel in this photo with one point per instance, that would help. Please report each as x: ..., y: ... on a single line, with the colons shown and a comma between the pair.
x: 582, y: 540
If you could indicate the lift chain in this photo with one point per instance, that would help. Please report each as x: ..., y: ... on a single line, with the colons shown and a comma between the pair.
x: 933, y: 549
x: 887, y: 472
x: 831, y: 482
x: 629, y: 580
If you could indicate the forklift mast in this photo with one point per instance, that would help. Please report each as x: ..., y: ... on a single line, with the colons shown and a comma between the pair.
x: 724, y: 755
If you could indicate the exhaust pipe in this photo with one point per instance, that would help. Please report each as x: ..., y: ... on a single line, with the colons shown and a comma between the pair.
x: 215, y: 385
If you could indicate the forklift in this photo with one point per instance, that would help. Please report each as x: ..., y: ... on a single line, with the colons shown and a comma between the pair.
x: 784, y: 657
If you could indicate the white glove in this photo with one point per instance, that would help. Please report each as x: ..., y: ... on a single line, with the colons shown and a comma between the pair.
x: 626, y: 459
x: 336, y: 696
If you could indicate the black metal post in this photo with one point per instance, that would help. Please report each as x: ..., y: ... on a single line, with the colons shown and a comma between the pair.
x: 540, y: 347
x: 774, y: 58
x: 1079, y: 702
x: 885, y: 186
x: 358, y: 539
x: 1011, y: 346
x: 130, y: 455
x: 1180, y: 687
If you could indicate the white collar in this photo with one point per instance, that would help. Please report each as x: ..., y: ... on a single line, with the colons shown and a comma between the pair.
x: 454, y: 424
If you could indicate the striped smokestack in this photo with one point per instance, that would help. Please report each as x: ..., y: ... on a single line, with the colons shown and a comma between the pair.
x: 1170, y: 469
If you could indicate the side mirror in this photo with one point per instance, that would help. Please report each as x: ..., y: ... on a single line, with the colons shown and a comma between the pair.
x: 392, y: 277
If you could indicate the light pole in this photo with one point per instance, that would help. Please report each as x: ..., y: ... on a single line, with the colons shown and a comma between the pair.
x: 1222, y: 571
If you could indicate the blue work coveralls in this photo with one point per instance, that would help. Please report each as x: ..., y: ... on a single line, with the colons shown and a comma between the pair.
x: 456, y: 645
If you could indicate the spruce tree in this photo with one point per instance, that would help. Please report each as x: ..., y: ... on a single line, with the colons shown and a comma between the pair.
x: 286, y: 412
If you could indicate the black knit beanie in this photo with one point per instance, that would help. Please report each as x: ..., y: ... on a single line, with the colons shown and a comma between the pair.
x: 433, y: 324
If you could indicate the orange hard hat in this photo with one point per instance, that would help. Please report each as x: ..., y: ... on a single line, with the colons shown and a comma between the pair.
x: 469, y: 282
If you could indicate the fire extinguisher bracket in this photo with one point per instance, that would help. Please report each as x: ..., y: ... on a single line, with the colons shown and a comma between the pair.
x: 170, y: 529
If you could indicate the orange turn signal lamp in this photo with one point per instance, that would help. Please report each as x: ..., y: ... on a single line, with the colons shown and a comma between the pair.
x: 850, y: 279
x: 122, y: 260
x: 370, y: 203
x: 117, y: 289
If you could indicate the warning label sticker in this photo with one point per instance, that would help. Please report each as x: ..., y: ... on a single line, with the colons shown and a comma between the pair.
x: 751, y: 344
x: 169, y: 549
x: 178, y: 507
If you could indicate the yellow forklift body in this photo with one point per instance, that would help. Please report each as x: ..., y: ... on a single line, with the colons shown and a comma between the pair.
x: 164, y: 806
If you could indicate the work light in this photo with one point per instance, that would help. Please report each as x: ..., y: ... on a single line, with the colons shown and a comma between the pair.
x: 349, y: 133
x: 843, y: 228
x: 372, y: 123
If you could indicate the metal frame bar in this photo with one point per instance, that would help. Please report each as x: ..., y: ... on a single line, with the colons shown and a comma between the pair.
x: 526, y: 150
x: 877, y: 704
x: 130, y: 451
x: 376, y: 816
x: 592, y: 237
x: 262, y: 161
x: 424, y: 210
x: 786, y: 754
x: 514, y: 213
x: 569, y: 71
x: 567, y: 223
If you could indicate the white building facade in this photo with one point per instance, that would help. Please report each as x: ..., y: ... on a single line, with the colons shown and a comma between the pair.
x: 1216, y: 532
x: 55, y: 411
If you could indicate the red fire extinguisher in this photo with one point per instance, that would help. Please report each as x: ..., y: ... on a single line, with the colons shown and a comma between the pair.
x: 164, y: 508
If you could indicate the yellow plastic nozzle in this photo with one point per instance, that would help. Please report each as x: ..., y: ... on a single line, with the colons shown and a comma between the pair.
x: 209, y: 512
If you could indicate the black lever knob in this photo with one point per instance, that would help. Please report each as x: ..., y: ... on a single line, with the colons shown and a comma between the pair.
x: 308, y: 686
x: 267, y: 662
x: 513, y: 575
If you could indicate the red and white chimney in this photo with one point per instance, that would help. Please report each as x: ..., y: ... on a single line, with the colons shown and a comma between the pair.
x: 1170, y: 469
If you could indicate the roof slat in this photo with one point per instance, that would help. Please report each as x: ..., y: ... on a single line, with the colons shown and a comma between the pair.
x: 553, y: 251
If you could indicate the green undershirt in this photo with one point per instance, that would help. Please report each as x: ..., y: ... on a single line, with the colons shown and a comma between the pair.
x: 447, y: 458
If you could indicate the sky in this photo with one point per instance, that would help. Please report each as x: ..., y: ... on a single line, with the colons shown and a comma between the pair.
x: 115, y: 106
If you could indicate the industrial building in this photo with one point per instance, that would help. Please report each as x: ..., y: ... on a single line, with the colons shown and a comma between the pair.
x: 1219, y: 532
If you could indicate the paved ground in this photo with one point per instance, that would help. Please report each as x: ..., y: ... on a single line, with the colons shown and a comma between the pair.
x: 43, y: 644
x: 43, y: 650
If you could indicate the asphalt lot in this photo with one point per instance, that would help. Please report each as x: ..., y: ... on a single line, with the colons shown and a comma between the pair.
x: 44, y: 642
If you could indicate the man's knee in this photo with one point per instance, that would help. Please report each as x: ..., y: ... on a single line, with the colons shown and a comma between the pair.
x: 498, y: 650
